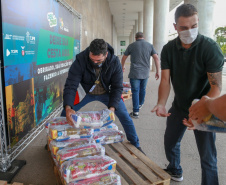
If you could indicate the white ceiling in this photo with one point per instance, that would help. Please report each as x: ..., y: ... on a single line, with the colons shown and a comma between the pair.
x: 125, y: 12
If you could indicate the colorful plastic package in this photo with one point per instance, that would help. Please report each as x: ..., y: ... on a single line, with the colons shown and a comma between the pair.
x: 126, y: 84
x: 55, y: 121
x: 211, y: 123
x: 112, y: 126
x: 106, y: 179
x: 93, y: 119
x: 79, y: 151
x: 126, y: 90
x: 87, y: 167
x: 55, y: 146
x: 65, y: 132
x: 109, y: 136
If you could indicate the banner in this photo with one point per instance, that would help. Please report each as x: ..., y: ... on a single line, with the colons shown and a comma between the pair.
x: 40, y: 42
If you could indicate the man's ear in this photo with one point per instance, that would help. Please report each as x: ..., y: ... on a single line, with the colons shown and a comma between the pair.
x: 107, y: 54
x: 175, y: 26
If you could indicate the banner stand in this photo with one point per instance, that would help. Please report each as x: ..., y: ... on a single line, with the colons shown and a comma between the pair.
x: 9, y: 166
x: 15, y: 167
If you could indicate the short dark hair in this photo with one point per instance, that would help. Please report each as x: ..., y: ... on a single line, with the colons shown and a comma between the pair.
x: 185, y: 10
x: 139, y: 35
x: 98, y: 46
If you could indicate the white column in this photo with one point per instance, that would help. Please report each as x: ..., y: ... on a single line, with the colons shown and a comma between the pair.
x: 136, y: 26
x: 130, y: 38
x: 115, y: 41
x: 148, y: 20
x: 132, y: 35
x: 134, y: 32
x: 206, y: 15
x: 161, y: 10
x: 140, y: 22
x: 148, y: 9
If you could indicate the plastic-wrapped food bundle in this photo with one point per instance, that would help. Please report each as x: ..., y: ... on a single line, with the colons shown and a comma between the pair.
x: 79, y: 151
x: 126, y: 84
x: 106, y: 179
x: 112, y: 126
x: 49, y: 139
x: 126, y: 90
x: 93, y: 119
x: 55, y: 121
x: 87, y: 167
x: 55, y: 146
x: 109, y: 136
x: 65, y: 132
x: 211, y: 123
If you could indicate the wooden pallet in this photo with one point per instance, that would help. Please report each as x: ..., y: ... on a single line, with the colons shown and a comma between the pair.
x: 59, y: 178
x: 134, y: 167
x: 14, y: 183
x: 127, y: 96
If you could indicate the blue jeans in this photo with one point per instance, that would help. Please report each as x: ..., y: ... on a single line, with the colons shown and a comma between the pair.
x: 205, y: 142
x: 121, y: 113
x: 138, y: 88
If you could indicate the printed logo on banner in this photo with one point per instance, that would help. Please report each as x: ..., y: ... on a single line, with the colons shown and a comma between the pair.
x: 7, y: 52
x: 62, y: 26
x: 7, y: 36
x: 14, y: 37
x: 23, y: 40
x: 29, y: 52
x: 11, y: 52
x: 22, y: 52
x: 30, y: 39
x: 52, y: 19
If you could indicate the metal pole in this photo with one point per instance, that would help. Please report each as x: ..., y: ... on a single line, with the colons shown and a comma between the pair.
x: 5, y: 162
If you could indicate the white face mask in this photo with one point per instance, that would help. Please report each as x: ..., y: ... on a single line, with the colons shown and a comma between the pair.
x: 188, y: 36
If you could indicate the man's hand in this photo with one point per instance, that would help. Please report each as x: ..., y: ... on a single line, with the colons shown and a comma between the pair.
x: 124, y: 57
x: 157, y: 75
x: 160, y: 110
x: 199, y: 110
x: 123, y: 69
x: 112, y: 109
x: 69, y: 112
x: 188, y: 124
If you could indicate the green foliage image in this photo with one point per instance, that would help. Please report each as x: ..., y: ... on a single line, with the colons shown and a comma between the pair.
x: 220, y: 34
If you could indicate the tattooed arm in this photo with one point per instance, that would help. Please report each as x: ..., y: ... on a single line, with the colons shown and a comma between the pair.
x: 215, y: 80
x: 200, y: 110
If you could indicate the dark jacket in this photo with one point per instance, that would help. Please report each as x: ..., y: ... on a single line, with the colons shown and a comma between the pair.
x: 82, y: 72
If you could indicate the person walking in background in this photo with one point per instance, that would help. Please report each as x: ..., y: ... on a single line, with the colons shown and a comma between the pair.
x: 99, y: 72
x: 141, y: 52
x: 193, y: 63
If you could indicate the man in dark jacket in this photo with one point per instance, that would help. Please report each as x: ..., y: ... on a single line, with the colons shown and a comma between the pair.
x: 99, y: 72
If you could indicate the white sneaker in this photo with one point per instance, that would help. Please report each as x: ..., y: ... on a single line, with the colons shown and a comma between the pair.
x: 140, y: 106
x: 134, y: 115
x: 174, y: 176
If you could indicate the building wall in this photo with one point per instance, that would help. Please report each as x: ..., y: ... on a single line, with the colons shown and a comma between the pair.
x: 96, y: 20
x: 119, y: 47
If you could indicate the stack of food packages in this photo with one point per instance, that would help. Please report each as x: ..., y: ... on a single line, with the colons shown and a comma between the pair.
x: 126, y: 88
x: 77, y: 150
